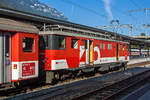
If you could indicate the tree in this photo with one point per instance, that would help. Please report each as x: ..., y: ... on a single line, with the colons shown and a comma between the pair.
x: 143, y: 34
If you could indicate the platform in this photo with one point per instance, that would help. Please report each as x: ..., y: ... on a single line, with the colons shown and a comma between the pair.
x: 138, y: 60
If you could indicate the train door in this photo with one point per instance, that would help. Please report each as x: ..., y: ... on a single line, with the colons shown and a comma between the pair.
x: 1, y: 59
x: 117, y: 52
x: 5, y: 58
x: 87, y: 51
x: 90, y: 52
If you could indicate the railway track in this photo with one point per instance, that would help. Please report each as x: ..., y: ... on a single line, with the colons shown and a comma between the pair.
x: 12, y: 91
x: 110, y: 92
x: 84, y: 89
x: 15, y: 91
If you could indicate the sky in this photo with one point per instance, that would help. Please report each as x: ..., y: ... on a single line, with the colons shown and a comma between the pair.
x: 99, y: 13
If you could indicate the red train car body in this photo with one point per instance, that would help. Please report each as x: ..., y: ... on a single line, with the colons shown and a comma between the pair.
x: 73, y: 50
x: 18, y: 51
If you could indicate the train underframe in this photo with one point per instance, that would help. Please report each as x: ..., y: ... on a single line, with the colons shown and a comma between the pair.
x: 56, y: 75
x: 52, y: 77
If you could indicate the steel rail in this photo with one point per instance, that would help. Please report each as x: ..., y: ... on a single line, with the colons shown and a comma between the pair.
x: 108, y: 92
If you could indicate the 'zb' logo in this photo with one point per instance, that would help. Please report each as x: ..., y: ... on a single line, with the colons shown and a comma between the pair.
x: 96, y: 49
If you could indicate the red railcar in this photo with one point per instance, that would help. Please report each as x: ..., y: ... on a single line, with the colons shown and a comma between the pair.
x: 18, y: 51
x: 65, y: 48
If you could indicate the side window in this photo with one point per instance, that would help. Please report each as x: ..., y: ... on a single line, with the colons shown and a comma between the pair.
x: 52, y: 42
x: 85, y: 41
x: 74, y: 43
x: 109, y: 46
x: 86, y: 44
x: 43, y: 42
x: 123, y: 47
x: 103, y: 45
x: 62, y: 42
x: 28, y: 44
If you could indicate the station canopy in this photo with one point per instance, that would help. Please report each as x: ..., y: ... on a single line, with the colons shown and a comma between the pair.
x: 12, y: 25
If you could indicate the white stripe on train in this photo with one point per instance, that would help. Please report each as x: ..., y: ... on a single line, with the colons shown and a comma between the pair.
x: 17, y: 73
x: 62, y: 64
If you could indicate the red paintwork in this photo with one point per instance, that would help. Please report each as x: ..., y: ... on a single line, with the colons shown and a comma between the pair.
x: 17, y: 48
x: 17, y: 54
x: 72, y: 55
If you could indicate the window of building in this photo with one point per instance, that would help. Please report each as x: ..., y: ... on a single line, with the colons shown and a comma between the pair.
x: 28, y: 44
x: 74, y: 43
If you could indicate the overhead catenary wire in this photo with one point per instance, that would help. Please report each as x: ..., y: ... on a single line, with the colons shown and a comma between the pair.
x: 135, y: 4
x: 93, y: 11
x: 102, y: 15
x: 146, y: 16
x: 121, y: 12
x: 74, y: 4
x: 85, y: 8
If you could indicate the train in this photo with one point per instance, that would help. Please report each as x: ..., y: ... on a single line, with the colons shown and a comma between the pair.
x: 51, y: 53
x: 139, y: 53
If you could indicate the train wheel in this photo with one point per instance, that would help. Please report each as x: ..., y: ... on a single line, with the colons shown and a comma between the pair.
x: 16, y: 84
x: 75, y: 74
x: 57, y: 76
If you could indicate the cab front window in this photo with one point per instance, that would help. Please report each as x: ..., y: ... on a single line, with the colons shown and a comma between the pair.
x: 52, y: 42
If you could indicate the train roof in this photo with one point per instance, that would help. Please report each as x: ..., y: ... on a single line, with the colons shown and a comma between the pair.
x: 12, y: 25
x: 75, y: 32
x: 40, y: 21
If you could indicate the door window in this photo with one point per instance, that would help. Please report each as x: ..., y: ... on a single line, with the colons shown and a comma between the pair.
x: 28, y: 44
x: 7, y: 46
